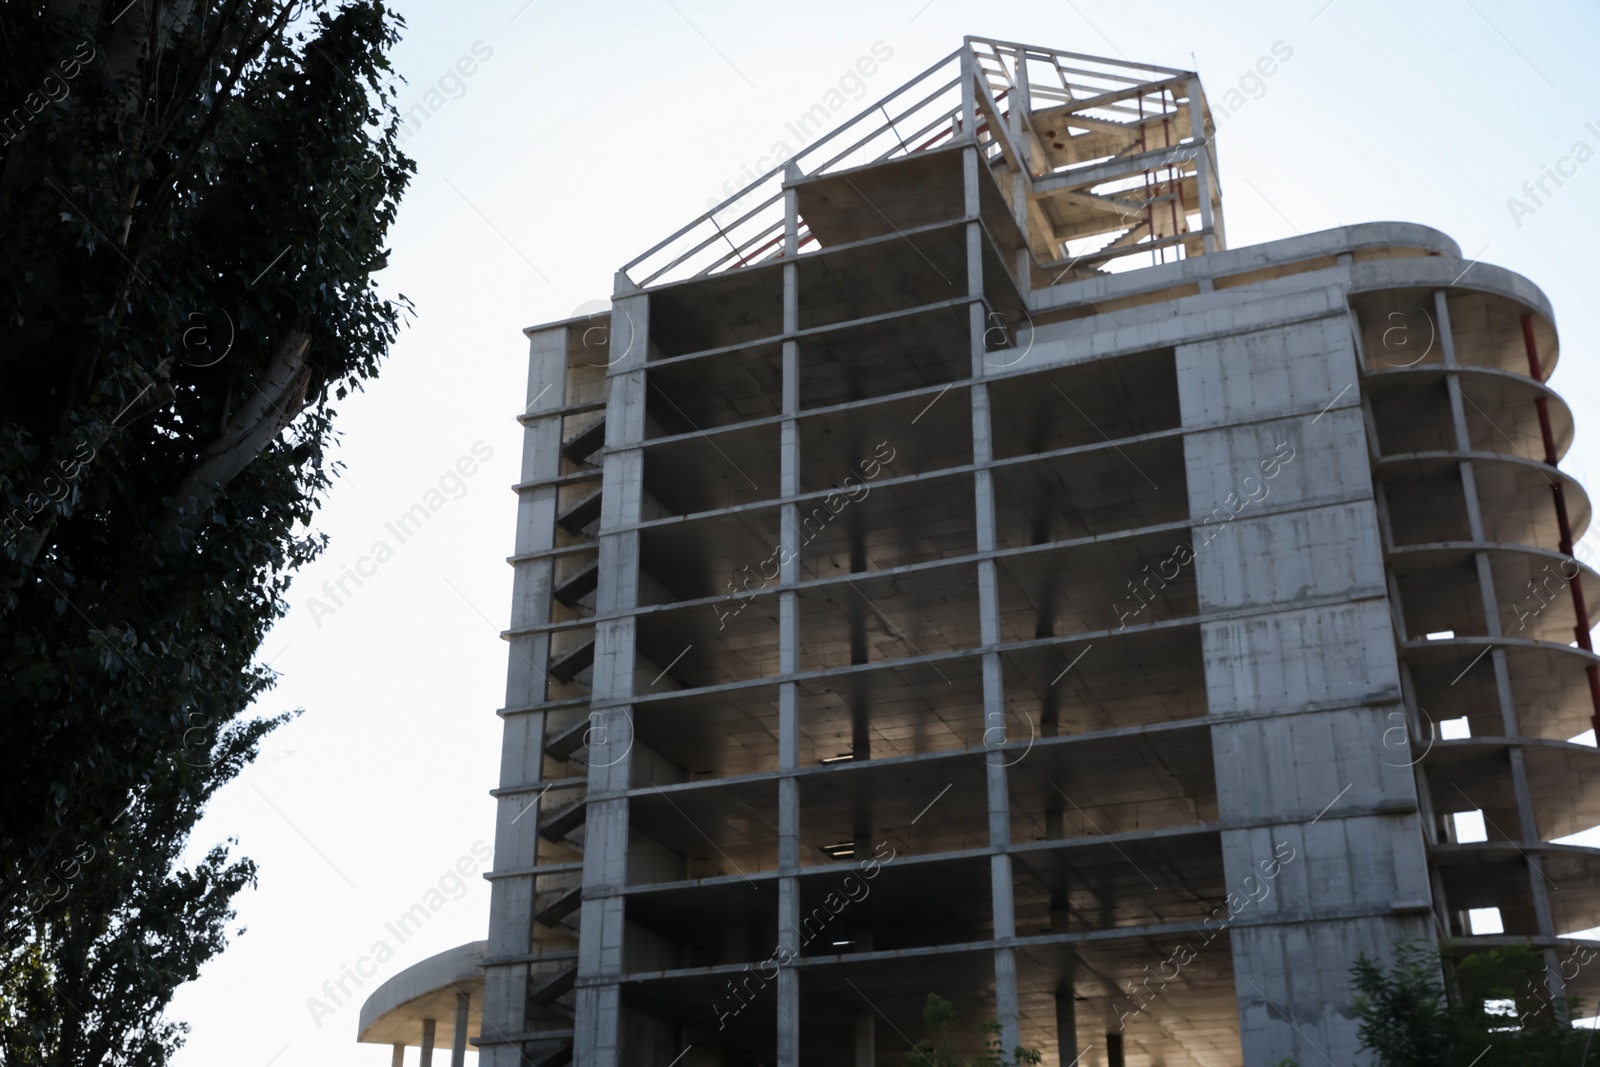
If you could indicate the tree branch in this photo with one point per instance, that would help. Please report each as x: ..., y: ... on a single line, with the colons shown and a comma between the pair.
x: 278, y: 400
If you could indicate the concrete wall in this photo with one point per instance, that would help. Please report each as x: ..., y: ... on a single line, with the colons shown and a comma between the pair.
x: 1299, y: 680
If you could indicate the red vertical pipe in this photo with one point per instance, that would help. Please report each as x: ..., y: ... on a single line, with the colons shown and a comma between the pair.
x: 1580, y: 610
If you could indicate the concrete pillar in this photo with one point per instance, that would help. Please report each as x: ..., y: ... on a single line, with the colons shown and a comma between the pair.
x: 994, y: 734
x: 1067, y: 1050
x: 969, y: 96
x: 597, y: 1037
x: 427, y: 1043
x: 788, y: 987
x: 398, y: 1057
x: 1202, y: 164
x: 788, y: 932
x: 523, y: 733
x: 866, y: 1039
x: 1020, y: 104
x: 458, y: 1039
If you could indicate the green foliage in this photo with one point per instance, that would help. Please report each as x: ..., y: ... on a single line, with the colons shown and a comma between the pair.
x: 1408, y: 1020
x: 187, y: 168
x: 940, y: 1017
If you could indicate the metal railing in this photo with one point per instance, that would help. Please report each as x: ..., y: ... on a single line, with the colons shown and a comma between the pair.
x: 931, y: 110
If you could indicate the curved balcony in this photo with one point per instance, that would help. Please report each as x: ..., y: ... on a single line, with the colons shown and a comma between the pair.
x: 1439, y: 590
x: 1400, y: 327
x: 1455, y: 678
x: 1423, y: 491
x: 1492, y: 874
x: 1487, y: 329
x: 1411, y: 410
x: 1474, y: 774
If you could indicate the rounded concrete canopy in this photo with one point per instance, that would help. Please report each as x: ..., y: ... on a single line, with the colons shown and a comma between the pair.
x: 394, y: 1013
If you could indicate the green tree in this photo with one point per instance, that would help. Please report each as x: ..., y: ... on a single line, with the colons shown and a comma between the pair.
x: 193, y: 200
x: 1500, y: 1010
x: 940, y: 1017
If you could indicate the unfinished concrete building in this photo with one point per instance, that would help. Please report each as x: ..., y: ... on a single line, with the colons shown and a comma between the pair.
x: 948, y: 567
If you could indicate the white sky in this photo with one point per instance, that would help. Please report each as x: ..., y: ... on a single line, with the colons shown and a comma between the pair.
x: 593, y: 131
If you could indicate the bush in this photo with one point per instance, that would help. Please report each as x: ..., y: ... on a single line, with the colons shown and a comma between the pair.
x: 940, y: 1016
x: 1409, y: 1020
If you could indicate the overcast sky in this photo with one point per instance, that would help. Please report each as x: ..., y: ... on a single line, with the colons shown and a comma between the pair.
x: 586, y: 133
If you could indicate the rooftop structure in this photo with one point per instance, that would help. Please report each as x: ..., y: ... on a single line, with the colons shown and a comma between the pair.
x: 949, y: 568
